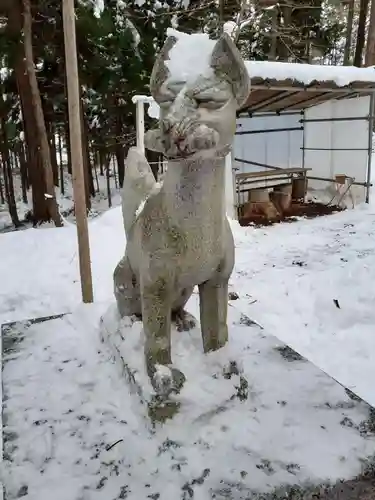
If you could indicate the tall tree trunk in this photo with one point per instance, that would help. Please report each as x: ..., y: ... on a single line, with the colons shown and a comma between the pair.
x: 23, y: 171
x: 108, y: 179
x: 274, y: 29
x: 84, y: 159
x: 8, y: 177
x: 349, y: 31
x: 89, y: 182
x: 115, y: 175
x: 34, y: 165
x: 101, y: 160
x: 50, y: 196
x: 52, y: 143
x: 2, y: 198
x: 67, y: 142
x: 283, y: 40
x: 370, y: 49
x: 95, y: 161
x: 361, y: 33
x: 119, y: 151
x: 62, y: 183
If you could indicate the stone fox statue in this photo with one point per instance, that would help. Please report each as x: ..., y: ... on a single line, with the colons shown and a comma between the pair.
x: 178, y: 235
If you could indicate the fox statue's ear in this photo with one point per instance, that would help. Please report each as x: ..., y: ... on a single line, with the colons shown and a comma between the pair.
x: 160, y: 71
x: 227, y: 62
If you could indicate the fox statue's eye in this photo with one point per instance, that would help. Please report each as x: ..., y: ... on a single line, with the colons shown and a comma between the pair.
x: 210, y: 103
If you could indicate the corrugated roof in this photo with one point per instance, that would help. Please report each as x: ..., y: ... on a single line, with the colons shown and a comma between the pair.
x: 278, y: 86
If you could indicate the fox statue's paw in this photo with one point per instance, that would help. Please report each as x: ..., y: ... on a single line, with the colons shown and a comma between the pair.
x: 183, y: 320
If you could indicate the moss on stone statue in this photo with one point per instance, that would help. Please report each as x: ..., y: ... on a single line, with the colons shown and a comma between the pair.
x: 176, y: 240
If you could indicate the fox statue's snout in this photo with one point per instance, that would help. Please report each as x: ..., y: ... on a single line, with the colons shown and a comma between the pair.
x: 186, y: 135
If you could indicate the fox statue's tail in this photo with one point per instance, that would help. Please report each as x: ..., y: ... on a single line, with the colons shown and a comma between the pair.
x: 139, y: 182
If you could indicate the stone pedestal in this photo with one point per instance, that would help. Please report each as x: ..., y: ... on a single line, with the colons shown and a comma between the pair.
x: 216, y: 372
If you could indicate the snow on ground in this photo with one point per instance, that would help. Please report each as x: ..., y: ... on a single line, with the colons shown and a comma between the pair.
x: 39, y: 272
x: 71, y: 404
x: 99, y: 203
x: 288, y: 278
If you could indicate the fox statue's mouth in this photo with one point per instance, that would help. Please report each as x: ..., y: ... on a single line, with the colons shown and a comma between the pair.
x: 174, y: 144
x: 198, y: 138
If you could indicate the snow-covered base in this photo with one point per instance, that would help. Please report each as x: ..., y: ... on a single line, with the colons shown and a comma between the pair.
x: 125, y: 339
x: 74, y: 430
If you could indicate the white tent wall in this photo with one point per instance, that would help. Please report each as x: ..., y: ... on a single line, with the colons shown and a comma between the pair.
x: 334, y: 135
x: 279, y: 149
x: 284, y: 149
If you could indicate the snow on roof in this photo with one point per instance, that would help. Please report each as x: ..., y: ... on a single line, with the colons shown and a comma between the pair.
x: 190, y: 57
x: 309, y: 73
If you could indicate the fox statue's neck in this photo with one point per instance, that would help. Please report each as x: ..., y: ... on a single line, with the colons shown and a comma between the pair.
x: 194, y: 188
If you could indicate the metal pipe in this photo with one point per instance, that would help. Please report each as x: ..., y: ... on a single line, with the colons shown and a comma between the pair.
x: 369, y: 159
x: 343, y: 119
x: 334, y: 149
x: 303, y: 142
x: 263, y: 131
x: 301, y: 88
x: 257, y: 164
x: 328, y: 179
x: 140, y: 117
x: 250, y: 114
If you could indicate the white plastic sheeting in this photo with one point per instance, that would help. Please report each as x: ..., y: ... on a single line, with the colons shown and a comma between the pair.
x: 339, y: 137
x: 278, y: 149
x: 284, y: 149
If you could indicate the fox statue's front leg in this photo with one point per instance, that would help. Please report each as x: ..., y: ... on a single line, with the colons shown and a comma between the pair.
x: 213, y: 300
x: 157, y: 302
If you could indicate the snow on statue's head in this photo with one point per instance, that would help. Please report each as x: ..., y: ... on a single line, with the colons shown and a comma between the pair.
x: 199, y: 84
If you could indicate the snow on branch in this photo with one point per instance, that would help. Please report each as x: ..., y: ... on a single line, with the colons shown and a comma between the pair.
x: 242, y: 19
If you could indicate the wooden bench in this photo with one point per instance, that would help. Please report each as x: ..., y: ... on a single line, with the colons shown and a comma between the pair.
x: 259, y: 198
x: 274, y: 174
x: 280, y: 176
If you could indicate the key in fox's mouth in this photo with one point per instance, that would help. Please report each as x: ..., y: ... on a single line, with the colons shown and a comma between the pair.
x: 175, y: 144
x: 195, y: 139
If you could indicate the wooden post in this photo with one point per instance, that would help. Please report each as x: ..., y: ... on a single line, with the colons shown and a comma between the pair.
x: 71, y: 66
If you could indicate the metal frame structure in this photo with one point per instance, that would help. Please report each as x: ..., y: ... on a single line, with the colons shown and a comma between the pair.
x: 326, y: 95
